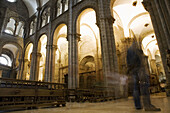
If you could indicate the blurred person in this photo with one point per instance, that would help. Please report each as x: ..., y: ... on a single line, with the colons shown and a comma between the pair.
x: 124, y: 86
x: 136, y: 68
x: 113, y: 80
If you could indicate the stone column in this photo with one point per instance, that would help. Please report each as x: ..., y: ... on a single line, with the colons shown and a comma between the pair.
x: 73, y: 75
x: 72, y: 51
x: 105, y: 23
x: 51, y: 49
x: 160, y: 16
x: 47, y: 63
x: 53, y: 53
x: 38, y: 25
x: 26, y: 62
x: 98, y: 77
x: 50, y: 63
x: 35, y: 66
x: 34, y: 70
x: 20, y: 68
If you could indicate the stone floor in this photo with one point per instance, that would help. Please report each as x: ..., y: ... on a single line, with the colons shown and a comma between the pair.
x: 116, y: 106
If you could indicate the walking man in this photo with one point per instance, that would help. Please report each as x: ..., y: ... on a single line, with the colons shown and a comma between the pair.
x: 136, y: 68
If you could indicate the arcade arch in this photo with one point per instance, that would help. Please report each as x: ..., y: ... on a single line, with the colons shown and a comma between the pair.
x: 61, y: 53
x: 88, y: 45
x: 11, y: 60
x: 41, y: 57
x: 133, y: 21
x: 27, y: 62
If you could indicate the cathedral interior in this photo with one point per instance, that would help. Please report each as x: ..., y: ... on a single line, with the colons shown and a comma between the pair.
x: 83, y: 43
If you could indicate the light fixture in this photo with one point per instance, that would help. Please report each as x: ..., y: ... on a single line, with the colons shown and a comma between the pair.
x: 146, y: 25
x: 11, y: 0
x: 152, y: 36
x: 134, y: 3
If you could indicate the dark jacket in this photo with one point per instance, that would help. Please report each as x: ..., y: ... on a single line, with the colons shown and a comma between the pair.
x: 133, y: 59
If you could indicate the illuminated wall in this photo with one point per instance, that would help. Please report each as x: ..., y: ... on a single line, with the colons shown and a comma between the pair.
x: 61, y: 54
x: 42, y: 57
x: 89, y: 48
x: 27, y: 61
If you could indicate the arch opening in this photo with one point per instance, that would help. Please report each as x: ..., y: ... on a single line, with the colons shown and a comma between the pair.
x: 89, y: 45
x: 41, y: 57
x: 61, y: 53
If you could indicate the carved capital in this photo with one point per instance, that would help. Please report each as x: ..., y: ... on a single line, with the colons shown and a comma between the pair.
x: 110, y: 19
x: 76, y: 35
x: 52, y: 46
x: 36, y: 54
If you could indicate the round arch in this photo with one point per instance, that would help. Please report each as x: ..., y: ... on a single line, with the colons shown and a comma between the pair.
x: 27, y: 61
x: 12, y: 43
x: 58, y: 29
x: 60, y: 58
x: 41, y: 57
x: 79, y: 12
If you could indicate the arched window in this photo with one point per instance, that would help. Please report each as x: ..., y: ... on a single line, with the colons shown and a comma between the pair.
x: 66, y: 5
x: 5, y: 60
x: 10, y: 26
x: 78, y: 1
x: 33, y: 26
x: 45, y: 17
x: 20, y: 29
x: 59, y: 7
x: 11, y: 0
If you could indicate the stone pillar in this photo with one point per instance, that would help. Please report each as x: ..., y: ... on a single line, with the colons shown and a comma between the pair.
x: 72, y: 51
x: 53, y: 53
x: 34, y: 70
x: 35, y: 66
x: 51, y: 49
x: 20, y: 68
x: 38, y: 25
x: 50, y: 63
x: 97, y: 65
x: 73, y: 75
x: 47, y: 63
x: 105, y: 23
x: 26, y: 62
x: 160, y: 16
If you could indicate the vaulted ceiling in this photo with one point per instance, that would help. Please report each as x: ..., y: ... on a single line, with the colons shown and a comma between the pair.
x: 32, y: 5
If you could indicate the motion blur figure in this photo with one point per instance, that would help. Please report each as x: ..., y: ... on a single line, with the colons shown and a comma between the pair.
x: 136, y: 69
x: 124, y: 86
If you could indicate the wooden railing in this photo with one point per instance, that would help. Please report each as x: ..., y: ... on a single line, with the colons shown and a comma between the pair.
x: 26, y: 94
